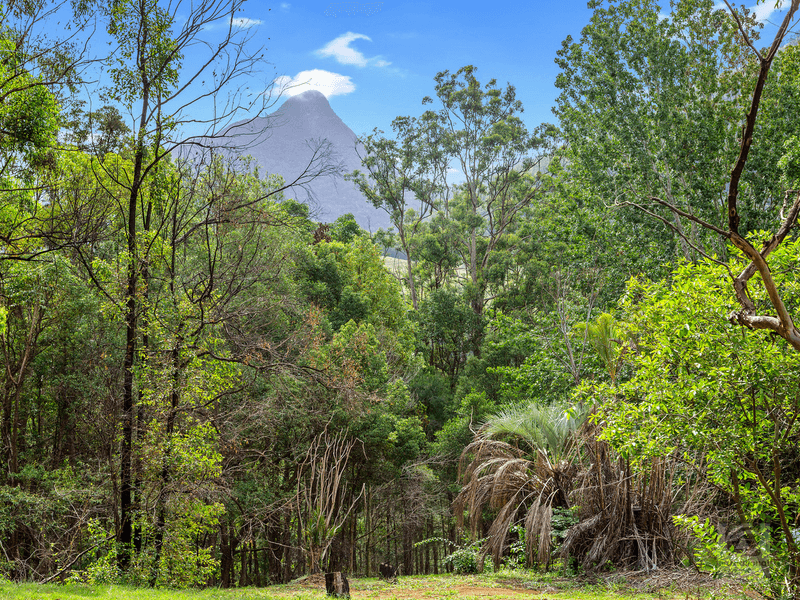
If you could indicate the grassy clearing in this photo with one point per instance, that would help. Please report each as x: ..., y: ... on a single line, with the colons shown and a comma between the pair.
x: 498, y: 586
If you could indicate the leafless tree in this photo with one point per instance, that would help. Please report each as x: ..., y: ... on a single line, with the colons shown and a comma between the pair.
x: 321, y: 498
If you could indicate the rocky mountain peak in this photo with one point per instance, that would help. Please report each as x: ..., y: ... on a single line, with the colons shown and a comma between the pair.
x: 282, y: 143
x: 307, y: 102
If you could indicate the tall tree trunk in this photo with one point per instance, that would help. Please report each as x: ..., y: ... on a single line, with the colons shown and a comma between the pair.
x: 435, y: 551
x: 243, y: 580
x: 368, y: 522
x: 131, y: 331
x: 126, y: 487
x: 409, y: 266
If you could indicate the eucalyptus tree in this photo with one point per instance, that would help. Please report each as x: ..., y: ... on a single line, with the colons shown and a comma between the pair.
x: 482, y: 138
x: 40, y: 69
x: 406, y: 178
x: 28, y: 128
x: 148, y: 73
x: 459, y: 176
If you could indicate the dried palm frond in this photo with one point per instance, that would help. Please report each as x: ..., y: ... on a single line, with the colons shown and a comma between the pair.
x: 624, y: 515
x: 520, y: 464
x: 538, y: 532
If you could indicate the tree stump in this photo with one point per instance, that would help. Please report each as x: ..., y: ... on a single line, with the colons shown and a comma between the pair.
x: 336, y: 585
x: 387, y: 571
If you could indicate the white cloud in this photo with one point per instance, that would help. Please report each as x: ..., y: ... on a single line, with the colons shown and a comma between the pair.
x: 330, y: 84
x: 766, y: 10
x: 340, y: 50
x: 285, y: 6
x: 244, y: 22
x: 763, y: 12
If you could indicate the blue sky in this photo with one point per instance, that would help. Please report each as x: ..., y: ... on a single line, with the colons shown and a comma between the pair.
x: 377, y: 60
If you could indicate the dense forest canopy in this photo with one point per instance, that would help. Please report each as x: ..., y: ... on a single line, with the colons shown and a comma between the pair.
x: 585, y: 354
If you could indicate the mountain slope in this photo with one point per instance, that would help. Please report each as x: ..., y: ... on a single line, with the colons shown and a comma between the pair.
x: 284, y: 141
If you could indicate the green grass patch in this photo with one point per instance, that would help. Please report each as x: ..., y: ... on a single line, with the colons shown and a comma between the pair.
x: 503, y: 585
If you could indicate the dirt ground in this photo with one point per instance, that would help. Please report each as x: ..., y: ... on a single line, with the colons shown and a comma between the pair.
x: 663, y: 584
x: 456, y: 591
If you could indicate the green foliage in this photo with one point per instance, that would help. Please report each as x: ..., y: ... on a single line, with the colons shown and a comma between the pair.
x: 711, y: 554
x: 466, y: 558
x: 432, y: 390
x: 543, y: 357
x: 245, y: 340
x: 345, y: 228
x: 548, y: 429
x: 563, y: 518
x: 182, y: 564
x: 102, y: 565
x: 100, y: 131
x: 521, y: 464
x: 351, y: 283
x: 773, y: 167
x: 449, y: 329
x: 29, y: 111
x: 458, y: 431
x: 393, y: 432
x: 155, y: 54
x: 517, y: 551
x: 43, y: 505
x: 608, y: 339
x: 713, y: 392
x: 357, y: 356
x: 650, y: 106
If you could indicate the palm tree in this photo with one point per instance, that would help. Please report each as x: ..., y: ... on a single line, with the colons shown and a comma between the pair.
x: 609, y: 340
x: 520, y: 464
x: 528, y: 460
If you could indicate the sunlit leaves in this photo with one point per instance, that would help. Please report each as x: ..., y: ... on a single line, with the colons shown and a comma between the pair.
x: 144, y: 31
x: 709, y: 391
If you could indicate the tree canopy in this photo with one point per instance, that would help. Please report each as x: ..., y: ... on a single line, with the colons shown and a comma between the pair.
x: 574, y: 346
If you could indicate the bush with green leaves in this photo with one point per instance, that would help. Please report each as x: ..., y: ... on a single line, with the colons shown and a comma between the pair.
x: 466, y: 559
x: 720, y: 396
x: 517, y: 551
x: 184, y: 561
x: 561, y: 521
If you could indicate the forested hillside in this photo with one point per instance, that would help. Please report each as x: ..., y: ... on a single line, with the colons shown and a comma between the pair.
x: 584, y: 357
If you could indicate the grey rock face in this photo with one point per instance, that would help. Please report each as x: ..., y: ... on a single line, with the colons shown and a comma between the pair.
x: 284, y: 142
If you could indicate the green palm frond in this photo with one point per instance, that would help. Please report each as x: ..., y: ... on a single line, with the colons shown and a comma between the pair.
x: 520, y: 464
x: 608, y: 339
x: 548, y: 429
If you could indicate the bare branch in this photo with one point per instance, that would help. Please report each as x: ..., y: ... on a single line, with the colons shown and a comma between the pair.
x: 676, y: 230
x: 784, y: 325
x: 750, y: 121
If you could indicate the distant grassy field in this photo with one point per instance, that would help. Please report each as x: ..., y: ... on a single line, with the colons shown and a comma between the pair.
x: 500, y: 586
x: 399, y: 267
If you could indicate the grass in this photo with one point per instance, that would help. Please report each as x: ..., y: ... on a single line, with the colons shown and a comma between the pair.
x: 504, y: 585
